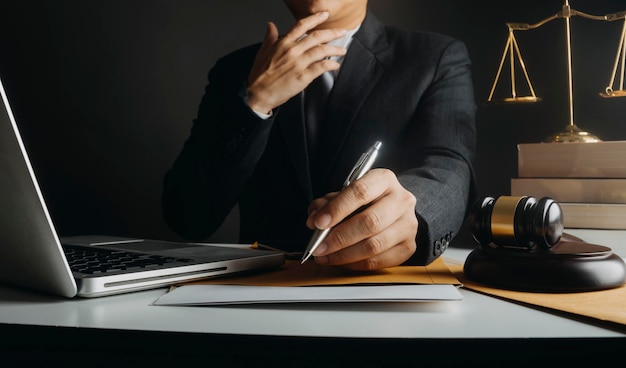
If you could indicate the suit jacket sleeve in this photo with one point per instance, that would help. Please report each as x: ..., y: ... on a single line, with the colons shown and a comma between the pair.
x: 443, y: 178
x: 226, y: 141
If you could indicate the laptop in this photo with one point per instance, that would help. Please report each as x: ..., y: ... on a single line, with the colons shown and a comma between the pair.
x: 32, y: 255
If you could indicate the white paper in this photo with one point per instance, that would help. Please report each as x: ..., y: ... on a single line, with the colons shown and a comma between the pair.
x: 238, y: 294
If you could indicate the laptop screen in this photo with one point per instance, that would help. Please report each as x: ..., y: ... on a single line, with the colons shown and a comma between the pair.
x: 30, y: 253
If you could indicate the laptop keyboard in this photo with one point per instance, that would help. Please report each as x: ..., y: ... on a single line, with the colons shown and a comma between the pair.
x: 92, y: 261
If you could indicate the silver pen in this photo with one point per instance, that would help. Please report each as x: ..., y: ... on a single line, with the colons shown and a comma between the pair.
x: 362, y: 166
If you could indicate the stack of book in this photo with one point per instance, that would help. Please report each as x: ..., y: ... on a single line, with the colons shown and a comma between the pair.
x: 588, y: 180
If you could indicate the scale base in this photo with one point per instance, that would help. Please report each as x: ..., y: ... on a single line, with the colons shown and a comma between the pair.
x: 566, y: 267
x: 573, y: 134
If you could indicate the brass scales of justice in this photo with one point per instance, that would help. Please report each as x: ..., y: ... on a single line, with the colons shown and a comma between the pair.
x: 572, y: 133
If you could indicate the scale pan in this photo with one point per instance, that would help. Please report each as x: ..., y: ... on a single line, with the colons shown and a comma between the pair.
x: 515, y: 100
x: 613, y: 94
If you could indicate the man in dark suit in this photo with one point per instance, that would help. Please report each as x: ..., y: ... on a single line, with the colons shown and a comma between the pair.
x: 253, y: 143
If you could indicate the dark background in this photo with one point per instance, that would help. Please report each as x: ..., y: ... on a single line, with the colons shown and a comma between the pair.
x: 104, y: 92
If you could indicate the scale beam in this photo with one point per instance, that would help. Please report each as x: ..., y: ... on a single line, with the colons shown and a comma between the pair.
x: 512, y: 51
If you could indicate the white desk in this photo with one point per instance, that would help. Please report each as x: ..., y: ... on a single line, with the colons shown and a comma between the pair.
x: 476, y: 318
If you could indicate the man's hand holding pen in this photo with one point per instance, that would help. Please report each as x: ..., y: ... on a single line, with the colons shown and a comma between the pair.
x: 373, y: 218
x: 373, y: 223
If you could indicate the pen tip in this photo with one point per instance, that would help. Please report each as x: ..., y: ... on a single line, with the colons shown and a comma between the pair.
x: 304, y: 259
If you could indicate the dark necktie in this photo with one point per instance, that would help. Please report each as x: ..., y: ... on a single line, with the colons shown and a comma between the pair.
x: 315, y: 99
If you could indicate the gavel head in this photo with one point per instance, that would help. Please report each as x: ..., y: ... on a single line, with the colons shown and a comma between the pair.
x: 516, y: 221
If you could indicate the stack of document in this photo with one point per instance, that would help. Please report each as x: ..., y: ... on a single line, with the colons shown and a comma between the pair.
x: 240, y: 294
x: 311, y: 283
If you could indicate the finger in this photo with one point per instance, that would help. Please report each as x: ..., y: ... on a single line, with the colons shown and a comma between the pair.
x: 314, y: 206
x: 322, y: 52
x: 395, y: 206
x: 367, y: 233
x: 320, y: 37
x: 271, y: 35
x: 305, y: 24
x: 312, y: 49
x: 374, y: 253
x: 395, y: 256
x: 358, y: 194
x: 260, y: 62
x: 318, y: 68
x: 312, y: 210
x: 361, y: 225
x: 365, y: 248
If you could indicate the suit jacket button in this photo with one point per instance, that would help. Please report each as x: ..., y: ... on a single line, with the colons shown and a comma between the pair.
x: 437, y: 247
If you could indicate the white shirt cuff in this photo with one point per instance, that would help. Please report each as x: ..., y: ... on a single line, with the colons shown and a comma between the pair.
x: 262, y: 115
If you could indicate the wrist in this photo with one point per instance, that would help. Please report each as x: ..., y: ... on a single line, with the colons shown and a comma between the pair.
x: 245, y: 95
x: 258, y: 109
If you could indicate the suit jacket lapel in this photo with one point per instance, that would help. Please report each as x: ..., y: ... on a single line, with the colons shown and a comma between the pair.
x: 357, y: 77
x: 290, y: 120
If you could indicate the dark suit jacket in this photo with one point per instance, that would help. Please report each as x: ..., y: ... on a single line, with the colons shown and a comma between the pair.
x: 411, y: 90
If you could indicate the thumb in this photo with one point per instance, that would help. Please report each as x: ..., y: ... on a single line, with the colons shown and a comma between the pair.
x: 271, y: 35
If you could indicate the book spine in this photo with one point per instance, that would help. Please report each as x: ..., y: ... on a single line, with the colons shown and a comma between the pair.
x: 575, y: 190
x: 588, y: 180
x: 594, y: 216
x: 572, y: 160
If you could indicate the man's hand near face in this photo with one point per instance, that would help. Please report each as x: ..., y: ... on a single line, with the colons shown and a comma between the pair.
x: 284, y: 66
